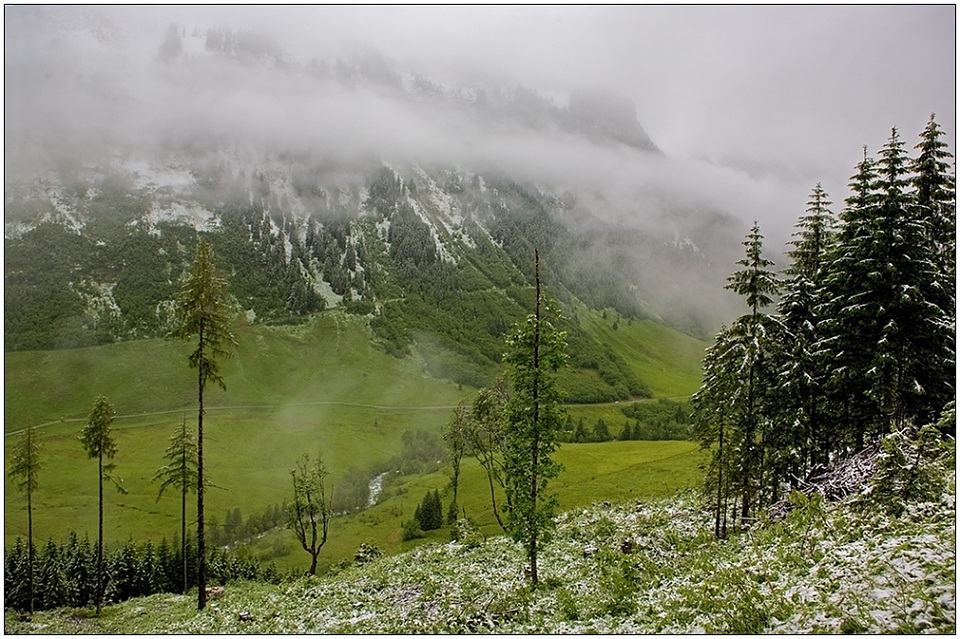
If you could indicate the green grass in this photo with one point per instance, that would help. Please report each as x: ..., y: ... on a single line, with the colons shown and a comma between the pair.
x: 321, y: 386
x: 666, y: 360
x: 827, y: 568
x: 612, y: 471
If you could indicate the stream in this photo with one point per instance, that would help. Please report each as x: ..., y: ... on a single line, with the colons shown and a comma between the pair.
x: 376, y: 485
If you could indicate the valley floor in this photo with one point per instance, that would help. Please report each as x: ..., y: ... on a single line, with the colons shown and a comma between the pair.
x: 635, y: 567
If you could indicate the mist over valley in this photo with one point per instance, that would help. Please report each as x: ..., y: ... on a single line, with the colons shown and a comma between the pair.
x: 392, y: 196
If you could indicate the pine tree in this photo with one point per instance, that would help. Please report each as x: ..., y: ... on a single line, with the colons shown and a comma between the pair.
x: 202, y: 311
x: 180, y: 473
x: 98, y: 443
x: 534, y: 421
x: 25, y: 466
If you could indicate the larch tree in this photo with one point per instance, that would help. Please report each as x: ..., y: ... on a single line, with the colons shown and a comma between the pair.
x: 98, y: 442
x: 534, y: 421
x: 180, y: 473
x: 202, y: 311
x: 24, y: 471
x: 310, y: 512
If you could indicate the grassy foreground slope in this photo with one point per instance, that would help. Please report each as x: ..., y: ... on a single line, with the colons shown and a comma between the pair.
x: 634, y: 568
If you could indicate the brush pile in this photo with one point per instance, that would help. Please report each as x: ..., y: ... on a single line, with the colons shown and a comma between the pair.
x: 834, y: 482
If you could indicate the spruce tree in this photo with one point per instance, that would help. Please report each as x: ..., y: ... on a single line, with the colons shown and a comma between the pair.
x: 202, y: 311
x: 535, y: 419
x: 24, y: 469
x: 714, y: 420
x: 848, y: 324
x: 802, y: 369
x: 757, y: 335
x: 886, y: 328
x: 936, y: 195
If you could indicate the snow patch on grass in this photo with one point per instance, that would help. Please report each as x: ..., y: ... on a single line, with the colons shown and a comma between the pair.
x: 651, y: 567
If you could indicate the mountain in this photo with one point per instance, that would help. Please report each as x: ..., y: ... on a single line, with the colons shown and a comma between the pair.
x: 104, y: 202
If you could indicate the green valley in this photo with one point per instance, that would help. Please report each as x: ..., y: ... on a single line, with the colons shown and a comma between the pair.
x: 322, y: 385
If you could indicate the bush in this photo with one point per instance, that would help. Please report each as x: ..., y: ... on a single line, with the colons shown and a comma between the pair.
x: 411, y: 530
x: 367, y: 553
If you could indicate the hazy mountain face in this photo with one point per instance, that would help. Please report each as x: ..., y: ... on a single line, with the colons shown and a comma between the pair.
x: 549, y: 98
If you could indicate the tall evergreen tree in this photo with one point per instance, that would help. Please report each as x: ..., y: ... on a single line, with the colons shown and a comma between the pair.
x: 731, y: 409
x: 886, y: 327
x: 713, y: 423
x: 99, y: 443
x: 24, y: 470
x: 534, y: 422
x: 202, y: 311
x: 801, y: 366
x: 758, y: 334
x: 935, y: 186
x: 180, y: 473
x: 847, y: 325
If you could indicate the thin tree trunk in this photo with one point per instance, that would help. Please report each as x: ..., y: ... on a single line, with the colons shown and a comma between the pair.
x: 183, y: 524
x: 493, y: 500
x: 30, y: 542
x: 716, y: 530
x: 100, y: 539
x: 201, y: 545
x: 536, y: 422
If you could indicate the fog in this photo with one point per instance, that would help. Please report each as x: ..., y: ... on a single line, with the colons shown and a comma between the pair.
x: 749, y: 106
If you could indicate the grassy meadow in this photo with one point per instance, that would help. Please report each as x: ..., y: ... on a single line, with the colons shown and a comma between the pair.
x: 320, y: 386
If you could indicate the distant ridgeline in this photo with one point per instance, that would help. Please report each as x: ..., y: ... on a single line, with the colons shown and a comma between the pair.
x: 439, y: 258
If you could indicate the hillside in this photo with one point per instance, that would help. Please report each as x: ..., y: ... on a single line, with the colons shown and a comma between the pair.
x: 637, y: 567
x: 319, y: 385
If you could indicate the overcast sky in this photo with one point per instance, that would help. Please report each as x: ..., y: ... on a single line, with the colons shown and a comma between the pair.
x: 758, y: 102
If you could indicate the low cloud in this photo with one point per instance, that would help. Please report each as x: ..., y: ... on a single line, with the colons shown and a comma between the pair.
x: 751, y: 105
